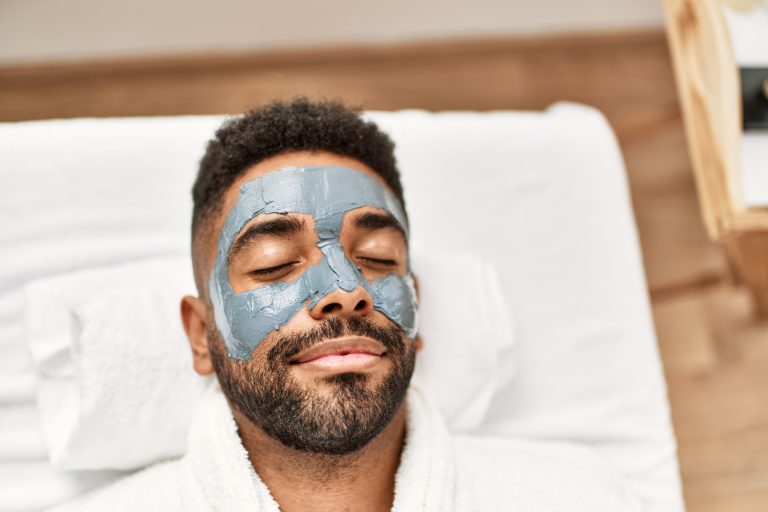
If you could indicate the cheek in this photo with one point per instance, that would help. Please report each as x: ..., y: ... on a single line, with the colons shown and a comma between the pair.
x: 395, y: 296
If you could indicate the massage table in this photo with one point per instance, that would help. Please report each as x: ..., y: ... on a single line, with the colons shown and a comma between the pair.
x: 542, y: 196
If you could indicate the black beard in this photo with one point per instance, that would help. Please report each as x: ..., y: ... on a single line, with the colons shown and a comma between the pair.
x: 301, y: 418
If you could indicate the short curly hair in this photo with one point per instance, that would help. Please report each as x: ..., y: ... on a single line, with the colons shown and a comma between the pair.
x: 282, y: 127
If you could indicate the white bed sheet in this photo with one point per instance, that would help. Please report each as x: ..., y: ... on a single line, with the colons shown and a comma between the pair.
x: 542, y: 195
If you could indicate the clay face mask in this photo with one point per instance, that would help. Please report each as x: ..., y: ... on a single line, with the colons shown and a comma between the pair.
x: 327, y: 194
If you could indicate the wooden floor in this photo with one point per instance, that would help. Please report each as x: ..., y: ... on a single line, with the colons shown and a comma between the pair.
x: 715, y: 353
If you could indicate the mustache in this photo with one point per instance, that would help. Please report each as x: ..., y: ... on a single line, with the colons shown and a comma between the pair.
x: 288, y: 345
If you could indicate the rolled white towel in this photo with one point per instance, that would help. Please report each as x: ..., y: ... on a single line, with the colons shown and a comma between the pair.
x: 120, y: 393
x: 117, y: 389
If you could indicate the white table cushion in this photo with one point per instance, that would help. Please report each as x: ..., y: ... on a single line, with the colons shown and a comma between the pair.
x: 541, y: 195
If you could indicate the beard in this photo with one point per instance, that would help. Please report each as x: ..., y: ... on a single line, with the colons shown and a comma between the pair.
x: 335, y: 423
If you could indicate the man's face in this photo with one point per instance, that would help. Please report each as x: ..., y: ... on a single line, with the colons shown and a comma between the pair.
x: 331, y: 377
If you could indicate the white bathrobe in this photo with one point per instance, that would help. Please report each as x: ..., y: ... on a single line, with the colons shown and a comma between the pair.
x: 438, y: 472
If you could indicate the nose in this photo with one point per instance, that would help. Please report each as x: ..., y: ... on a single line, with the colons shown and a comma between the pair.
x: 343, y: 304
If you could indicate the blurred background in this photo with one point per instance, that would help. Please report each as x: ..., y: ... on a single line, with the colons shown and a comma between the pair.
x: 145, y: 57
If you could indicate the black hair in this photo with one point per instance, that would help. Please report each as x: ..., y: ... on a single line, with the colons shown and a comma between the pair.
x: 282, y: 127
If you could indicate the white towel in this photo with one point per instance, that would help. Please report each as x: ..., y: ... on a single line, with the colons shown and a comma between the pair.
x: 116, y: 389
x: 494, y: 475
x: 116, y: 386
x: 468, y: 336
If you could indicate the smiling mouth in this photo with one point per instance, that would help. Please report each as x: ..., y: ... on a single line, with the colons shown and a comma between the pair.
x: 348, y: 353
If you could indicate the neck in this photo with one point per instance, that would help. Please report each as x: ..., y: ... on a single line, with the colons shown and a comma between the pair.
x: 303, y: 481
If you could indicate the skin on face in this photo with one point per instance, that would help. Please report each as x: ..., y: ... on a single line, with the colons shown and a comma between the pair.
x: 280, y: 247
x: 299, y: 479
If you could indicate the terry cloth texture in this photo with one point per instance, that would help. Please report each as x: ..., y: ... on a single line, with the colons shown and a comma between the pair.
x: 438, y: 472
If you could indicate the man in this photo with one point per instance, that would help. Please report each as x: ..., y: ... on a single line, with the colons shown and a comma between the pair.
x: 307, y: 314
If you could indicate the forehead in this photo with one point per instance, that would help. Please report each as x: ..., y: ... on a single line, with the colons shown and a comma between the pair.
x: 326, y: 192
x: 271, y: 165
x: 293, y: 159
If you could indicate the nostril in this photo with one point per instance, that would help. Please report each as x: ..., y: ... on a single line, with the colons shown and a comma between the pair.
x: 330, y: 308
x: 361, y: 305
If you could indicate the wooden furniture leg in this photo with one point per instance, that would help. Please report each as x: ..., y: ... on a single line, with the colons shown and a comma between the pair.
x: 748, y: 254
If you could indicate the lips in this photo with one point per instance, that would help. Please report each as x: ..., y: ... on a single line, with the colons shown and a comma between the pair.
x: 349, y: 347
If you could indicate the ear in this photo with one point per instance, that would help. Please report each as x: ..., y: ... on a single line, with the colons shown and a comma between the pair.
x: 193, y: 319
x: 418, y: 340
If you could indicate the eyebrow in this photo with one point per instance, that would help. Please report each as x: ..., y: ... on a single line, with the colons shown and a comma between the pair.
x: 281, y: 227
x: 378, y: 220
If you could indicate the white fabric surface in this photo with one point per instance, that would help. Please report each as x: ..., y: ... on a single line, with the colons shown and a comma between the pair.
x: 114, y: 364
x: 541, y: 195
x: 116, y: 388
x: 216, y: 474
x: 754, y: 169
x: 749, y: 40
x: 749, y: 35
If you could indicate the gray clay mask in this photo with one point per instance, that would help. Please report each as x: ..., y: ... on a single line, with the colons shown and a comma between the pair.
x: 327, y: 194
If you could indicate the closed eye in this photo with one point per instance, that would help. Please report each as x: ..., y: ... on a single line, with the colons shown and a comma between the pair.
x: 269, y: 271
x: 379, y: 261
